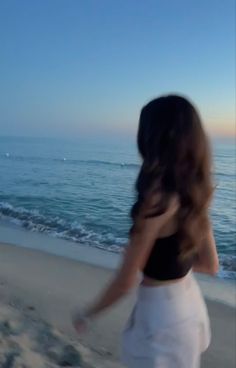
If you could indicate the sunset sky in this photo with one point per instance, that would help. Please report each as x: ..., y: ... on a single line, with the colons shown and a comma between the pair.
x: 86, y: 67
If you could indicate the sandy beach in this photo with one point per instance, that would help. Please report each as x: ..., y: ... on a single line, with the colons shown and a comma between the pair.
x: 38, y: 293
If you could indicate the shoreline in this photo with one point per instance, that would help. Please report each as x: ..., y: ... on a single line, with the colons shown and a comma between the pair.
x: 13, y: 234
x: 213, y: 288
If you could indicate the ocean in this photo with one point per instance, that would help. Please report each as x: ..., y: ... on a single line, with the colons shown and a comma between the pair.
x: 82, y: 191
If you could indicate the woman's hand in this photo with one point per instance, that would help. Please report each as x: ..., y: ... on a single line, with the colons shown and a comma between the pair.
x: 80, y: 322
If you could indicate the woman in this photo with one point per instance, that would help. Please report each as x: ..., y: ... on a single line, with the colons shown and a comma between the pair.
x: 171, y: 235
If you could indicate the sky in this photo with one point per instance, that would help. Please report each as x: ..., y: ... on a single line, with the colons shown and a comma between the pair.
x: 74, y: 68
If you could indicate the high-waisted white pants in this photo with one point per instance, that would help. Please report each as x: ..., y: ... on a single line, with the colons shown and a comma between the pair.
x: 168, y: 328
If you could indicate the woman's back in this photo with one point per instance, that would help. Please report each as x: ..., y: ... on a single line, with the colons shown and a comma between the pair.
x: 164, y: 263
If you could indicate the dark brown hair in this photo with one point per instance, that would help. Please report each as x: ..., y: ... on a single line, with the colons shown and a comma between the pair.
x: 176, y: 160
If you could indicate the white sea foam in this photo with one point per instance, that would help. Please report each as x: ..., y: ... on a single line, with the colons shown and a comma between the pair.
x: 57, y: 227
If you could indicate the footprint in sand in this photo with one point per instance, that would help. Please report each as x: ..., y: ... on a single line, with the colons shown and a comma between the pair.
x: 27, y: 345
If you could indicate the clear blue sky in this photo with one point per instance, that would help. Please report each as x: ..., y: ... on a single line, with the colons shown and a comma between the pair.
x: 81, y: 67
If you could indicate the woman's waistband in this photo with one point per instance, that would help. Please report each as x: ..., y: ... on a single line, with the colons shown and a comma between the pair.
x: 170, y: 291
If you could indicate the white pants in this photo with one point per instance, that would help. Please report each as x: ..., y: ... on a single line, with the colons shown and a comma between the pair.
x: 168, y: 328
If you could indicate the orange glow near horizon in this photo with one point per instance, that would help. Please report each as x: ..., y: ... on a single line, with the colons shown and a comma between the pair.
x: 221, y: 127
x: 224, y: 132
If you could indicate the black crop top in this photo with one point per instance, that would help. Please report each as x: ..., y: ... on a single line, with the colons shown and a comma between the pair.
x: 163, y: 263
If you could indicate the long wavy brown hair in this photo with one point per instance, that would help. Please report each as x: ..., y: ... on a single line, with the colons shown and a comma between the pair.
x: 176, y: 161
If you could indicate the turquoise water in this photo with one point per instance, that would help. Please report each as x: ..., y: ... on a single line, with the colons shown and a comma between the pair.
x: 83, y: 192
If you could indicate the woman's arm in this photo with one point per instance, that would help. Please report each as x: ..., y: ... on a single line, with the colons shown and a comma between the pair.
x: 207, y: 258
x: 136, y: 255
x: 125, y: 279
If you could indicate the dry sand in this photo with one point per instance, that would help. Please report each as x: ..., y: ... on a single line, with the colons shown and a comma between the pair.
x: 38, y: 292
